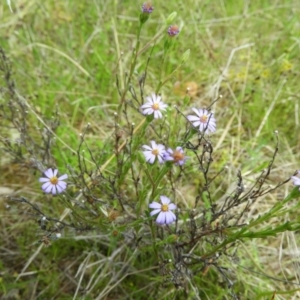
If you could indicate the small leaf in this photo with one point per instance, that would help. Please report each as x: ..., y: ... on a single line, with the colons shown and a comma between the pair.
x: 171, y: 17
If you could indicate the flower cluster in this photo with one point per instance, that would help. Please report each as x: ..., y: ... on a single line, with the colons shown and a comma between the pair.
x: 203, y: 119
x: 159, y: 152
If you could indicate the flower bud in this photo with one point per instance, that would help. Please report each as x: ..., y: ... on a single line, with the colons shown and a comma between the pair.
x: 173, y: 30
x: 147, y: 8
x: 186, y: 55
x: 171, y: 17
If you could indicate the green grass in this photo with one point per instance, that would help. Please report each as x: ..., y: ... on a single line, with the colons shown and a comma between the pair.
x: 74, y: 57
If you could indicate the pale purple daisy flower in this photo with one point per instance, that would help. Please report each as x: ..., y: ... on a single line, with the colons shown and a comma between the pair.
x: 296, y: 180
x: 204, y: 119
x: 154, y: 106
x: 153, y: 152
x: 53, y: 184
x: 164, y: 211
x: 177, y: 156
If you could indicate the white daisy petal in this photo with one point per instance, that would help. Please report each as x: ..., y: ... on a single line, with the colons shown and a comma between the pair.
x: 192, y: 118
x: 172, y: 215
x: 159, y: 114
x: 53, y: 189
x: 46, y: 185
x: 152, y: 159
x: 63, y: 177
x: 155, y: 205
x: 55, y: 173
x: 146, y: 105
x: 147, y: 147
x: 172, y: 206
x: 148, y: 154
x: 296, y: 180
x: 160, y: 147
x: 150, y: 100
x: 154, y: 212
x: 197, y: 111
x: 49, y: 173
x: 163, y: 106
x: 202, y: 127
x: 196, y: 124
x: 169, y: 217
x: 59, y: 189
x: 148, y: 111
x: 62, y: 184
x: 165, y: 200
x: 158, y: 98
x: 48, y: 188
x: 153, y: 144
x: 161, y: 218
x: 43, y: 179
x: 160, y: 159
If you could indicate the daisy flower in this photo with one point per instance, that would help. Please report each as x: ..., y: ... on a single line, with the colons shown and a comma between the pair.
x: 52, y: 183
x: 164, y: 211
x: 154, y: 105
x: 296, y: 180
x: 204, y: 119
x: 153, y: 152
x: 177, y: 156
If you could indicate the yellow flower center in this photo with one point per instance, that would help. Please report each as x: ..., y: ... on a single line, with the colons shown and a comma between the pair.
x: 54, y: 180
x: 155, y: 152
x: 165, y: 207
x: 155, y: 106
x: 203, y: 119
x: 177, y: 155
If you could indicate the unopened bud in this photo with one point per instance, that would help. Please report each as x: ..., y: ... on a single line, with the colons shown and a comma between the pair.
x: 147, y: 8
x: 173, y: 30
x: 186, y: 56
x: 171, y: 17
